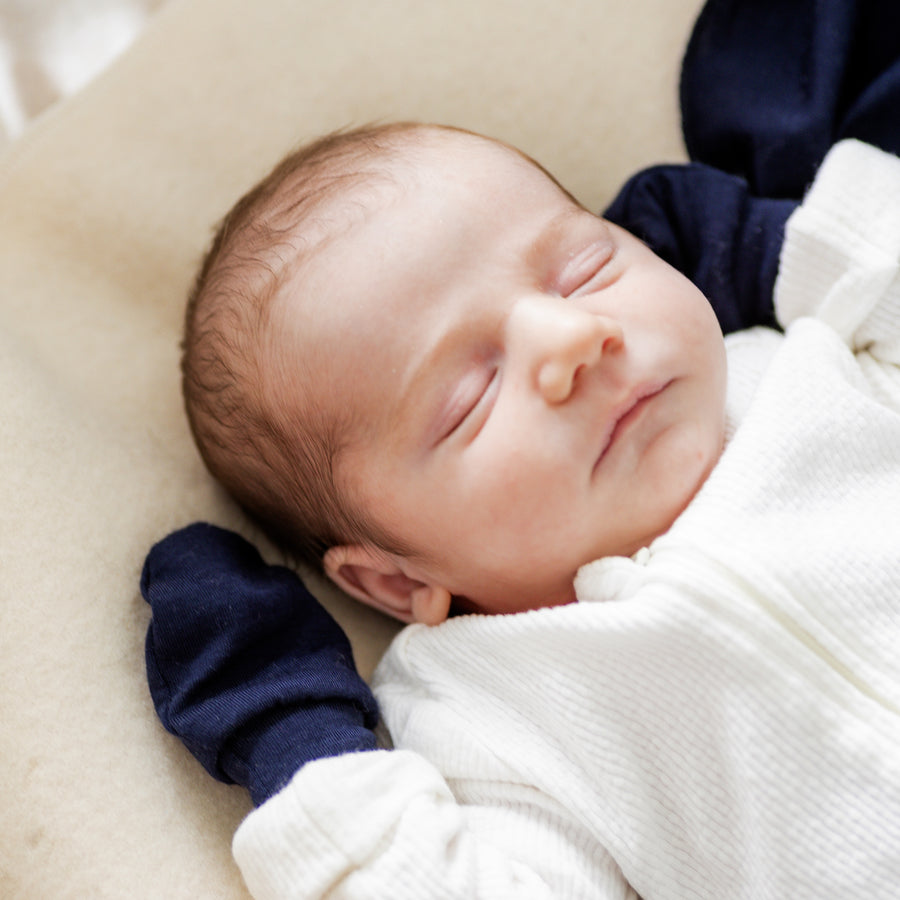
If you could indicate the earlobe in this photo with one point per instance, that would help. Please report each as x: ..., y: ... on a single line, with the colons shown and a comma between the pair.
x: 430, y: 604
x: 378, y: 580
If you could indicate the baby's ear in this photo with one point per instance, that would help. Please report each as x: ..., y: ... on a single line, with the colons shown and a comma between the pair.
x: 376, y: 578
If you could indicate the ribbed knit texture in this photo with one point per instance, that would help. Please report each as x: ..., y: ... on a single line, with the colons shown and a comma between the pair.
x: 720, y: 716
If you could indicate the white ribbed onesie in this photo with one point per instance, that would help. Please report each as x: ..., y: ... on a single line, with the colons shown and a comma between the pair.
x: 717, y: 717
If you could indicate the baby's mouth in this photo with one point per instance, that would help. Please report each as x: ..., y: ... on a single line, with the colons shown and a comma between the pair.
x: 624, y: 414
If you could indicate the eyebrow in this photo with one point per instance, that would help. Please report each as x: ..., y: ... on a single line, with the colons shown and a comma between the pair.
x: 550, y: 235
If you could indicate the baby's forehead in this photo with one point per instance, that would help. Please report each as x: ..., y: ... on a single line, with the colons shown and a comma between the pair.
x: 357, y: 204
x: 356, y: 200
x: 355, y: 187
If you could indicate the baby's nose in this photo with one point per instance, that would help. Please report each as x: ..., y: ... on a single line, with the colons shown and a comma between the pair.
x: 566, y: 339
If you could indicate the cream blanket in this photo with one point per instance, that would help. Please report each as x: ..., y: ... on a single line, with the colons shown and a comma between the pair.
x: 107, y: 204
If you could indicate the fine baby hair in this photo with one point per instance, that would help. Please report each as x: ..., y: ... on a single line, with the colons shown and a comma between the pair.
x: 409, y: 355
x: 278, y: 465
x: 272, y: 450
x: 418, y: 328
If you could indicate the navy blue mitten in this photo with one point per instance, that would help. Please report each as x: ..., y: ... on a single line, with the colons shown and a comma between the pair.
x: 767, y: 88
x: 708, y: 225
x: 245, y: 665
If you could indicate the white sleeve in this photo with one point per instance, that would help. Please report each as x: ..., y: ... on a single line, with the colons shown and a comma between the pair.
x: 386, y: 824
x: 841, y: 254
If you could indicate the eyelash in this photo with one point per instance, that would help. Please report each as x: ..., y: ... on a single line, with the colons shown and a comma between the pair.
x: 470, y: 408
x: 594, y: 260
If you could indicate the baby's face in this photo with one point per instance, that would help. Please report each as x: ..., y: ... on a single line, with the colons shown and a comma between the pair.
x: 532, y: 387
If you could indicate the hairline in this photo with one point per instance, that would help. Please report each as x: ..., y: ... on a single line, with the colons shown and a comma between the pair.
x: 271, y: 224
x: 347, y: 435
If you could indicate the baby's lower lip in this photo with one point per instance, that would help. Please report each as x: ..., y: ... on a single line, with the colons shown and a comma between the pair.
x: 626, y: 415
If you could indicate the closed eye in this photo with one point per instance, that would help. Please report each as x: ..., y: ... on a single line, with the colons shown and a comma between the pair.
x: 584, y: 272
x: 471, y: 404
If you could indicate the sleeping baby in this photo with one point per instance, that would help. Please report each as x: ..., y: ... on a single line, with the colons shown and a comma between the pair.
x: 649, y: 573
x: 449, y: 381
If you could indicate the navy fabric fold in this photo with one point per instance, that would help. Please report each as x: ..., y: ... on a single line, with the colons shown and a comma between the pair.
x: 767, y: 88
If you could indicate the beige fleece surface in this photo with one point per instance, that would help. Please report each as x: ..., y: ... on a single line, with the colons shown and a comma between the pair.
x: 107, y: 204
x: 49, y: 49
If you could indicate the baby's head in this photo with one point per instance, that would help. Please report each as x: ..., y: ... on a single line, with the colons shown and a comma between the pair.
x: 434, y: 375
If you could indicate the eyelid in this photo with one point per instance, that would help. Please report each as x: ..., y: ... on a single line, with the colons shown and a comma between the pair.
x: 583, y: 266
x: 461, y: 410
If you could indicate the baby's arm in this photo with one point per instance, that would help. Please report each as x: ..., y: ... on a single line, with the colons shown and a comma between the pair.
x: 258, y: 681
x: 709, y: 226
x: 841, y: 259
x: 766, y: 90
x: 386, y: 824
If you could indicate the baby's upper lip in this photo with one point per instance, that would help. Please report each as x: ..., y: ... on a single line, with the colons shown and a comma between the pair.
x: 645, y: 391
